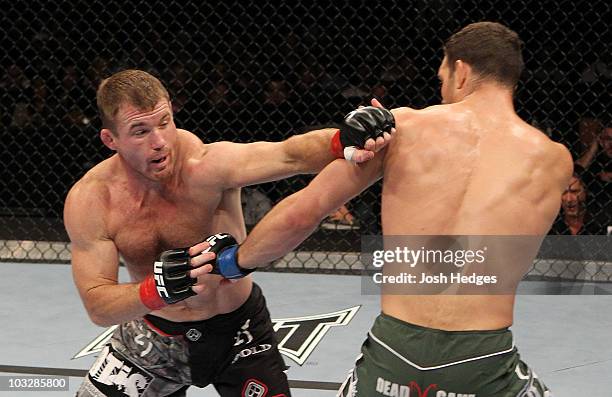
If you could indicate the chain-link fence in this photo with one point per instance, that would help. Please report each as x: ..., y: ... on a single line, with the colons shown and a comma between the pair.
x: 245, y: 71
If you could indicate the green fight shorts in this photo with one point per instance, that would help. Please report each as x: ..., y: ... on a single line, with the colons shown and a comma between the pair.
x: 399, y: 359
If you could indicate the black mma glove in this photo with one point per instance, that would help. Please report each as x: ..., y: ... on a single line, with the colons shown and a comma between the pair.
x: 170, y: 281
x: 359, y: 126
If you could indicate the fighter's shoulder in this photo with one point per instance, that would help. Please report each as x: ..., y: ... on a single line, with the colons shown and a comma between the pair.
x: 432, y: 115
x: 405, y: 115
x: 88, y: 201
x: 548, y: 152
x: 92, y: 190
x: 204, y: 162
x: 221, y: 151
x: 547, y: 147
x: 189, y: 138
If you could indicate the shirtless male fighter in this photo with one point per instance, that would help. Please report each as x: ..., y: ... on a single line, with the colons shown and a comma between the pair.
x: 163, y: 189
x: 467, y: 167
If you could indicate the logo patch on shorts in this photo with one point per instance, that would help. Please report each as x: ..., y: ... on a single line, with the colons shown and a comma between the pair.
x: 113, y: 375
x: 254, y: 388
x: 251, y: 351
x: 413, y: 389
x: 193, y: 334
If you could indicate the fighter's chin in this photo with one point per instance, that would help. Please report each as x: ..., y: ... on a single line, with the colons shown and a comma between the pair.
x: 160, y: 175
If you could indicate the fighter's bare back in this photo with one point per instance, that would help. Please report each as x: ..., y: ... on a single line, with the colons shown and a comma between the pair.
x: 453, y: 172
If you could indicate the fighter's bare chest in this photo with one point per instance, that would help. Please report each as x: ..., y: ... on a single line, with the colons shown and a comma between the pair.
x: 141, y: 231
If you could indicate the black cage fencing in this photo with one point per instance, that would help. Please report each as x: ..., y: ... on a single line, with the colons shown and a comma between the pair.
x: 246, y: 71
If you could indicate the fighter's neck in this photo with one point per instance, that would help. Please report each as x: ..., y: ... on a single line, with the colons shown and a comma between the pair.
x: 492, y: 98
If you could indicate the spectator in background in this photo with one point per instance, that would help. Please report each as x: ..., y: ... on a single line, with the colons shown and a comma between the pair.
x: 589, y: 129
x: 43, y: 104
x: 605, y: 175
x: 220, y: 71
x: 593, y: 160
x: 218, y: 96
x: 72, y: 87
x: 219, y: 111
x: 575, y: 219
x: 14, y: 82
x: 595, y: 166
x: 341, y: 219
x: 75, y: 118
x: 276, y: 93
x: 97, y: 70
x: 22, y: 117
x: 600, y: 70
x: 277, y: 118
x: 380, y: 92
x: 178, y: 76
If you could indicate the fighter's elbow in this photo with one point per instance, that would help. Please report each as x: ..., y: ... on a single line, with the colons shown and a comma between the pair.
x: 97, y: 312
x: 100, y: 321
x: 305, y: 218
x: 98, y: 318
x: 301, y: 165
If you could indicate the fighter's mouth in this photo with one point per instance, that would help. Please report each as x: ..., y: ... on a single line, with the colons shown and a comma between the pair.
x: 159, y: 160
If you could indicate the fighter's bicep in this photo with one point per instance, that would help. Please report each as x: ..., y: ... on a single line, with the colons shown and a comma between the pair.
x: 251, y: 163
x: 94, y: 256
x: 94, y: 263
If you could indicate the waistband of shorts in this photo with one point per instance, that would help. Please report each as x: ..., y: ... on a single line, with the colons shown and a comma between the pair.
x: 429, y: 348
x: 221, y: 323
x: 386, y: 317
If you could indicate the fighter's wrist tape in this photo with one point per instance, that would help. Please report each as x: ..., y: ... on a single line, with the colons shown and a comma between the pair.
x: 336, y: 146
x: 149, y: 295
x: 228, y: 264
x: 338, y: 151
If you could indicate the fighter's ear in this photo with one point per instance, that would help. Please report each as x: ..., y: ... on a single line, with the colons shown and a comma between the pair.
x: 463, y: 73
x: 108, y: 138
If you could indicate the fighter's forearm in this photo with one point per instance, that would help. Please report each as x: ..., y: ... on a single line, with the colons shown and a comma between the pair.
x: 278, y: 233
x: 114, y: 304
x: 310, y: 152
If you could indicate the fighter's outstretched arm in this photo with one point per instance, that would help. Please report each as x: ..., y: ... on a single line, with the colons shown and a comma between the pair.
x: 295, y: 217
x: 258, y: 162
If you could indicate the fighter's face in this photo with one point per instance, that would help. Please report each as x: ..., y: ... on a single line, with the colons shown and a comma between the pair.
x: 146, y: 140
x: 446, y: 82
x: 573, y: 198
